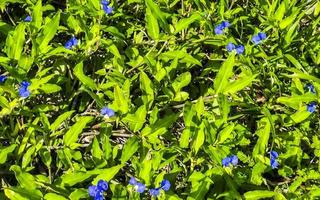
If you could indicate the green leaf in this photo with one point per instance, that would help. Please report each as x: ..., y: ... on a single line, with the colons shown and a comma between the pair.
x: 106, y: 174
x: 147, y: 89
x: 181, y: 81
x: 49, y: 88
x: 280, y: 11
x: 5, y: 152
x: 60, y: 119
x: 239, y: 84
x: 152, y: 25
x: 155, y: 10
x: 199, y: 140
x: 49, y: 31
x: 225, y: 72
x: 51, y: 196
x: 258, y: 194
x: 72, y: 135
x: 74, y: 178
x: 120, y: 100
x: 25, y: 179
x: 130, y: 148
x: 86, y: 80
x: 225, y: 133
x: 184, y: 23
x: 37, y: 15
x: 263, y: 132
x: 15, y: 41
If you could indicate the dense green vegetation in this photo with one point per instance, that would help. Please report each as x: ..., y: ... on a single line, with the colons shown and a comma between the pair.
x: 159, y: 99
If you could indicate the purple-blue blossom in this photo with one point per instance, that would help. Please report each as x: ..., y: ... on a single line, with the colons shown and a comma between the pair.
x: 154, y: 192
x: 311, y: 89
x: 273, y: 159
x: 3, y: 78
x: 233, y: 159
x: 312, y: 107
x: 102, y: 185
x: 96, y: 191
x: 28, y: 18
x: 239, y: 48
x: 140, y: 187
x: 257, y: 39
x: 107, y: 111
x: 23, y: 89
x: 71, y: 42
x: 165, y: 185
x: 106, y: 7
x: 220, y: 27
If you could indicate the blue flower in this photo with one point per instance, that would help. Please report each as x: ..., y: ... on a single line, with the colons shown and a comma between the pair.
x: 3, y: 78
x: 240, y: 49
x: 140, y: 187
x: 234, y: 160
x: 99, y: 196
x: 105, y: 6
x: 273, y: 159
x: 220, y: 27
x: 93, y: 190
x: 311, y: 89
x: 70, y: 43
x: 107, y: 111
x: 23, y: 90
x: 28, y: 18
x: 132, y: 180
x: 102, y: 185
x: 226, y: 161
x: 256, y: 39
x: 154, y: 192
x: 165, y: 185
x: 230, y: 47
x: 274, y: 163
x: 274, y: 154
x: 312, y: 107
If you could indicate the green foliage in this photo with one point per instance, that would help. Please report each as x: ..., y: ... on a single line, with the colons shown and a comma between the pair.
x: 182, y: 102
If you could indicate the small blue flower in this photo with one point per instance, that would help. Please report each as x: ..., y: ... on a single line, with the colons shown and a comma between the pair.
x: 132, y: 180
x: 165, y: 185
x: 105, y: 6
x: 225, y: 24
x: 140, y: 187
x: 274, y: 163
x: 312, y: 107
x: 71, y: 42
x: 311, y: 89
x: 234, y: 160
x: 28, y: 18
x: 154, y: 192
x: 99, y: 196
x: 93, y: 190
x: 230, y: 47
x: 273, y: 159
x: 220, y: 27
x: 23, y: 90
x: 274, y: 154
x: 257, y: 39
x: 107, y: 111
x: 3, y: 78
x: 240, y: 49
x: 226, y: 161
x: 25, y: 84
x: 102, y: 185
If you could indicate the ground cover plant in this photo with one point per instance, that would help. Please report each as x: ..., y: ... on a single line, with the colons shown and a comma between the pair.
x: 159, y: 99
